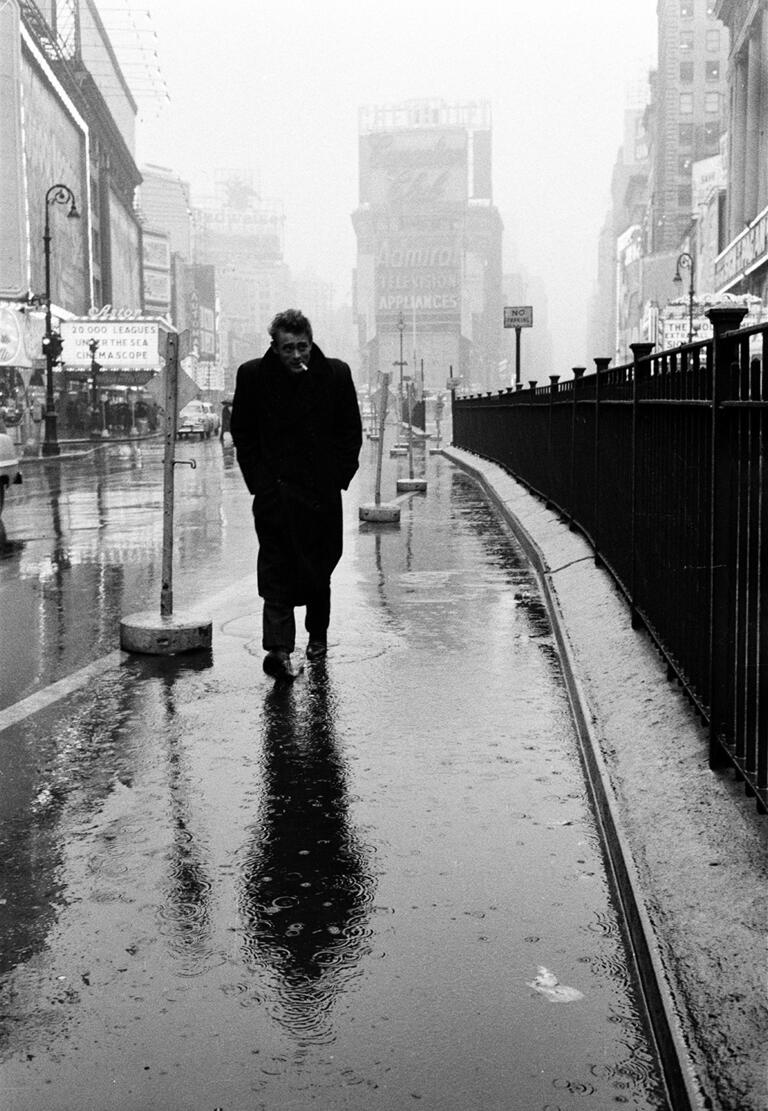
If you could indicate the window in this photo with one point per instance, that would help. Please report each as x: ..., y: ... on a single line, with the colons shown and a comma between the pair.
x: 686, y: 135
x: 685, y: 196
x: 686, y: 71
x: 713, y: 70
x: 712, y: 133
x: 684, y: 165
x: 686, y: 9
x: 713, y: 40
x: 711, y: 9
x: 711, y: 103
x: 686, y: 42
x: 686, y: 104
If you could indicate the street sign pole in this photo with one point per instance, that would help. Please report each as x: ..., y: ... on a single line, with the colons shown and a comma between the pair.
x: 379, y: 512
x: 382, y: 425
x: 166, y: 634
x: 518, y: 317
x: 171, y: 415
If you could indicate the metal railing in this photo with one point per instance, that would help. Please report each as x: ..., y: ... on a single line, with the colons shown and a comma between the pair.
x: 661, y: 464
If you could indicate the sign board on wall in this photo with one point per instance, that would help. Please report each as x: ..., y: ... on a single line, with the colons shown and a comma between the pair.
x: 518, y: 316
x: 125, y: 343
x: 748, y: 251
x: 418, y: 276
x: 414, y: 168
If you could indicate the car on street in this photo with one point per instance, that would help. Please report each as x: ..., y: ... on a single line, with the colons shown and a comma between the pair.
x: 9, y: 466
x: 198, y: 418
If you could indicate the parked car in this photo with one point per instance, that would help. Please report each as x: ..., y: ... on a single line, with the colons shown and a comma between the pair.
x: 9, y: 465
x: 197, y: 419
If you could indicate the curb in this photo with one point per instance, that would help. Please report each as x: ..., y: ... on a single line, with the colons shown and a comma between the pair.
x: 684, y: 1092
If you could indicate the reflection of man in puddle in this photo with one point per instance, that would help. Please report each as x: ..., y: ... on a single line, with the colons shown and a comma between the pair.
x: 305, y: 889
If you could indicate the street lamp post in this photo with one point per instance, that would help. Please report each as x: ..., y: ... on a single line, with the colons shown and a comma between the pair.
x: 57, y: 194
x: 402, y: 363
x: 686, y: 261
x: 93, y: 347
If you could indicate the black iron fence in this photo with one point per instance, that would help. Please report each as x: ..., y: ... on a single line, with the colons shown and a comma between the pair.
x: 661, y: 464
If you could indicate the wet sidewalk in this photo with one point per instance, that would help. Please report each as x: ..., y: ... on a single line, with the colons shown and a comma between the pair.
x: 378, y: 887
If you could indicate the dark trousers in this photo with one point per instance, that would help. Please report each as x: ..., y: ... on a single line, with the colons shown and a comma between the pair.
x: 279, y: 622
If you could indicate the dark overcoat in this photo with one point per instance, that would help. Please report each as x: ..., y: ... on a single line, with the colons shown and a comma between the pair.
x: 298, y: 439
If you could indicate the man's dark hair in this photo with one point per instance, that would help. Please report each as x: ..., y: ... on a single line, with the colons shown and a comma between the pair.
x: 293, y: 321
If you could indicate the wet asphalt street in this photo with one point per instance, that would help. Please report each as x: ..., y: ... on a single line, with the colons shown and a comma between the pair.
x: 218, y: 892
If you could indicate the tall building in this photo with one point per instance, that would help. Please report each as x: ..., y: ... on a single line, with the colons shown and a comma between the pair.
x: 629, y: 194
x: 742, y: 265
x: 164, y: 203
x: 67, y: 118
x: 689, y: 111
x: 428, y: 244
x: 240, y: 234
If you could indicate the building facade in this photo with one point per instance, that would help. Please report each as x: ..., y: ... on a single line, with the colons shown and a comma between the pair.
x: 669, y: 191
x: 62, y: 126
x: 242, y: 236
x: 742, y: 265
x: 428, y: 276
x: 689, y: 110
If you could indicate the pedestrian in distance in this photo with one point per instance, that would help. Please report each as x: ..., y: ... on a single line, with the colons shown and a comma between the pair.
x: 297, y: 432
x: 226, y: 419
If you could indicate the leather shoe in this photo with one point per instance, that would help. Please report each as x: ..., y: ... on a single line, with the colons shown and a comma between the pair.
x: 279, y: 665
x: 317, y: 647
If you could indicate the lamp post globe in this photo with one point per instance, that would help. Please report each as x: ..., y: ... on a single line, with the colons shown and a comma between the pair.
x: 57, y: 194
x: 687, y: 262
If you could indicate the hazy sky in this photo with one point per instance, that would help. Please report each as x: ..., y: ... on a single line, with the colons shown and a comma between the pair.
x: 274, y: 86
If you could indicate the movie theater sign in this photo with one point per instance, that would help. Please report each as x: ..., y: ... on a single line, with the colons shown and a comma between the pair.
x: 130, y: 344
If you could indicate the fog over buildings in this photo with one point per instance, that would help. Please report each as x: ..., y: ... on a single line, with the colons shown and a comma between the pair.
x: 274, y: 90
x: 385, y: 167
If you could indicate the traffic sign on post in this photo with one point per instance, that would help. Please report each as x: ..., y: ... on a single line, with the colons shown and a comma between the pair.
x: 518, y: 316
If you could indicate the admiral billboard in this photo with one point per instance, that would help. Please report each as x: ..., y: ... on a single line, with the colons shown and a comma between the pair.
x: 417, y: 275
x: 416, y: 183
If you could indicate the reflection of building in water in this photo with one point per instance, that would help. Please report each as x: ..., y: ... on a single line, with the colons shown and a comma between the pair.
x: 305, y: 888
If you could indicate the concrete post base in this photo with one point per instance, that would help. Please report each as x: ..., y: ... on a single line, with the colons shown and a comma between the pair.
x: 385, y: 514
x: 152, y: 634
x: 404, y: 484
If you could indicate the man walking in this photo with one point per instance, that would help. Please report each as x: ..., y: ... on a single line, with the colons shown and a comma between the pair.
x: 297, y: 431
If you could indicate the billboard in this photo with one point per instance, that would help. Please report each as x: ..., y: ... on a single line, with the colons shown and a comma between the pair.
x: 201, y: 311
x: 156, y: 267
x: 418, y: 275
x: 426, y: 167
